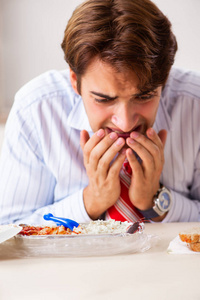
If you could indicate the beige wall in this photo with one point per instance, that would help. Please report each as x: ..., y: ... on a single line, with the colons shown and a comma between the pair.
x: 184, y: 16
x: 1, y: 60
x: 1, y: 136
x: 31, y: 32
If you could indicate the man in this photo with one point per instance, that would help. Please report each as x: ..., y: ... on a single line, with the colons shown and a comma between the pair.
x: 116, y: 135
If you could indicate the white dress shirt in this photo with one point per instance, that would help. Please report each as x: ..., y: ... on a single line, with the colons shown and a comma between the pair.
x: 41, y: 167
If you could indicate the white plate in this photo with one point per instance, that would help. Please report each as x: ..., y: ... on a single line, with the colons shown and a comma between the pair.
x: 8, y: 231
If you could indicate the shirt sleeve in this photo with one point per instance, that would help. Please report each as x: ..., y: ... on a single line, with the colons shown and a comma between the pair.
x: 27, y: 185
x: 187, y: 208
x: 183, y: 209
x: 71, y: 207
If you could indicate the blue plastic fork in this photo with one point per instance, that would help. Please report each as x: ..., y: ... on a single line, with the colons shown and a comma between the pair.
x: 61, y: 221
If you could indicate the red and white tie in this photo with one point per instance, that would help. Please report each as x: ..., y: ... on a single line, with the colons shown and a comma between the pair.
x: 123, y: 209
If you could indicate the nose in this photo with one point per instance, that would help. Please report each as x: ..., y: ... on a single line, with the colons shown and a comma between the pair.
x: 125, y: 118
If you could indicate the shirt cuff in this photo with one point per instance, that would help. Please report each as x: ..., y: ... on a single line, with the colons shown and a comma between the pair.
x: 183, y: 209
x: 78, y: 210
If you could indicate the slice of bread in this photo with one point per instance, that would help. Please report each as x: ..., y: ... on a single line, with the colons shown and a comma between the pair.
x: 191, y: 235
x: 195, y: 247
x: 192, y: 238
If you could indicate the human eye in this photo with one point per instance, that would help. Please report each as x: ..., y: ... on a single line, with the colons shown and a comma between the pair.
x: 145, y: 97
x: 103, y: 100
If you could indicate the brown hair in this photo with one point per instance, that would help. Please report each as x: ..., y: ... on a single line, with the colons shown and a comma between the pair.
x: 128, y: 34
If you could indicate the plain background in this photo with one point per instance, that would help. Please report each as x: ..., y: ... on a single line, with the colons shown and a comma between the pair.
x: 31, y: 32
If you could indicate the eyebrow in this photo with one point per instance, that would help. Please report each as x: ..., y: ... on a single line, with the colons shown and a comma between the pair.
x: 144, y: 93
x: 114, y: 98
x: 103, y: 95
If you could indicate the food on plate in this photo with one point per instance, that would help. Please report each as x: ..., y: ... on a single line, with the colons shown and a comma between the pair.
x: 93, y: 227
x: 192, y: 238
x: 43, y: 230
x: 103, y: 227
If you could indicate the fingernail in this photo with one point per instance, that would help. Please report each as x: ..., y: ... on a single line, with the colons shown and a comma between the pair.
x: 150, y: 131
x: 113, y: 135
x: 100, y: 133
x: 131, y: 141
x: 134, y: 135
x: 120, y: 141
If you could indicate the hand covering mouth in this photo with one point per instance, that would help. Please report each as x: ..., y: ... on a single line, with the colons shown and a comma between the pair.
x: 123, y: 134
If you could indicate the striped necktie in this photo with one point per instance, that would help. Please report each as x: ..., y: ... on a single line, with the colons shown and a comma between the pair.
x: 123, y: 209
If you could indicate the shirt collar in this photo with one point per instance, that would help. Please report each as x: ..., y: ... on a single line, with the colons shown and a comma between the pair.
x: 78, y: 118
x: 163, y: 119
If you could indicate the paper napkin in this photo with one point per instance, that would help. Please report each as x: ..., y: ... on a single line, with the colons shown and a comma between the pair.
x: 176, y: 246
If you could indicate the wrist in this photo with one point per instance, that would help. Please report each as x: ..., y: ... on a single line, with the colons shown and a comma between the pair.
x: 92, y: 207
x: 161, y: 204
x: 159, y: 218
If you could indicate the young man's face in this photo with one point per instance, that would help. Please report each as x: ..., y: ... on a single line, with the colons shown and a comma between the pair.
x: 113, y: 102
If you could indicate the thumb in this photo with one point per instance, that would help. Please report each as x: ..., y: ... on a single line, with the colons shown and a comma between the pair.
x: 163, y: 136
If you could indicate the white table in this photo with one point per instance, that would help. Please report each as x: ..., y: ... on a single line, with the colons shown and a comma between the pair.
x: 154, y: 274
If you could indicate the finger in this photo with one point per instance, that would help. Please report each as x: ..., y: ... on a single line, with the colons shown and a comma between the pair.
x: 141, y: 146
x: 84, y: 137
x: 101, y: 148
x: 87, y: 143
x: 117, y: 165
x: 163, y: 136
x: 109, y: 155
x: 159, y: 139
x: 152, y: 143
x: 134, y: 163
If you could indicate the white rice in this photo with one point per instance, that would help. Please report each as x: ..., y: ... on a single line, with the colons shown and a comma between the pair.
x: 103, y: 227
